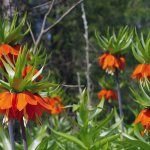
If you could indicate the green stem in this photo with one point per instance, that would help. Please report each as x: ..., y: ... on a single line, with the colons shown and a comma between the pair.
x: 119, y: 98
x: 11, y: 134
x: 23, y: 135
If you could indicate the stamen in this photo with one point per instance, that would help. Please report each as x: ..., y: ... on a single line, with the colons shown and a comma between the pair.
x: 6, y: 119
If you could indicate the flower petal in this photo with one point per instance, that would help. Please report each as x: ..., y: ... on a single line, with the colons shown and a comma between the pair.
x: 30, y: 98
x: 21, y: 101
x: 6, y: 100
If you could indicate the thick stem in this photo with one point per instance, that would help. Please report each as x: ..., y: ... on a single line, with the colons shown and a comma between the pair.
x: 11, y: 134
x: 119, y: 98
x: 23, y: 135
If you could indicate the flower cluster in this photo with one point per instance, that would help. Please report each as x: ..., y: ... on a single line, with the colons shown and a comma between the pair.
x: 23, y: 103
x: 110, y: 63
x: 27, y: 105
x: 141, y: 71
x: 107, y: 94
x: 144, y: 119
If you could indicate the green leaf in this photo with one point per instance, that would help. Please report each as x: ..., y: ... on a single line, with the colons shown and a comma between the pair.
x: 43, y: 145
x: 39, y: 135
x: 105, y: 141
x: 9, y: 69
x: 4, y: 140
x: 105, y: 146
x: 97, y: 110
x: 102, y: 123
x: 138, y: 57
x: 35, y: 87
x: 21, y: 62
x: 138, y: 143
x: 137, y: 133
x: 83, y: 110
x: 5, y: 84
x: 37, y: 74
x: 13, y: 34
x: 115, y: 43
x: 70, y: 138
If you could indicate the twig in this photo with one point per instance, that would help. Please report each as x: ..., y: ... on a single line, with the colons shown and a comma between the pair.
x: 73, y: 86
x: 79, y: 83
x: 45, y: 5
x: 23, y: 135
x: 31, y: 33
x: 43, y: 26
x: 43, y: 30
x: 65, y: 14
x: 41, y: 5
x: 119, y: 98
x: 86, y: 47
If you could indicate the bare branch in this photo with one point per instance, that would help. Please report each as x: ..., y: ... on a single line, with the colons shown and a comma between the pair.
x: 31, y: 33
x: 41, y: 5
x: 43, y: 26
x: 65, y: 14
x: 46, y: 4
x: 73, y: 86
x: 79, y: 83
x: 43, y: 30
x: 45, y: 17
x: 86, y: 47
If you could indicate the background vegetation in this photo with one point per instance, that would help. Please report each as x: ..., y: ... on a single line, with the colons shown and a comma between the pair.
x: 65, y: 44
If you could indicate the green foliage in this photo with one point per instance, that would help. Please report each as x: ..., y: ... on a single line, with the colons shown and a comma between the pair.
x: 115, y: 42
x: 4, y: 142
x: 90, y: 134
x: 12, y: 33
x: 134, y: 145
x: 141, y: 48
x: 16, y: 82
x: 142, y: 97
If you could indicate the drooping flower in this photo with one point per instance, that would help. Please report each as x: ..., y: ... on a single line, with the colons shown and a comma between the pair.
x: 141, y: 71
x: 107, y: 94
x: 144, y: 119
x: 110, y: 62
x: 19, y: 98
x: 24, y: 104
x: 28, y: 106
x: 56, y: 106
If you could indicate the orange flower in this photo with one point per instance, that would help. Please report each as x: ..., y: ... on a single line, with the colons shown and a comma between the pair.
x: 107, y: 94
x: 141, y: 71
x: 28, y: 69
x: 56, y: 106
x: 110, y: 62
x: 144, y: 119
x: 24, y: 104
x: 9, y: 51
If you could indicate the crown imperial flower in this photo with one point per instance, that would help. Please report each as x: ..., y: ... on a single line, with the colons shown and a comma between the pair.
x: 144, y: 119
x: 141, y: 71
x: 107, y: 94
x: 110, y: 62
